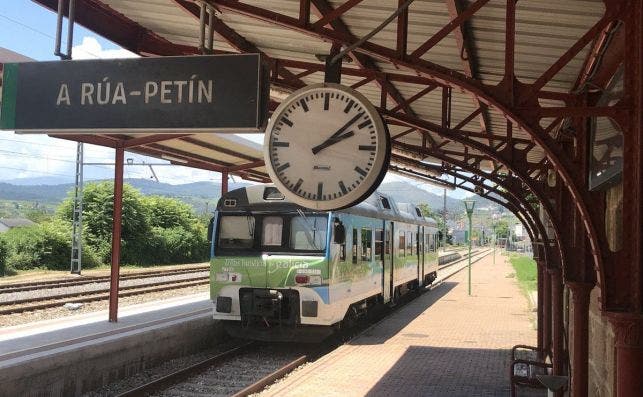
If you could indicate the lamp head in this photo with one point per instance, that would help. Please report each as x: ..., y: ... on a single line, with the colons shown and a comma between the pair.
x: 468, y: 205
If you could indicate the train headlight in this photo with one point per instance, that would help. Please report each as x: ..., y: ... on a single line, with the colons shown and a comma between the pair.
x: 308, y: 279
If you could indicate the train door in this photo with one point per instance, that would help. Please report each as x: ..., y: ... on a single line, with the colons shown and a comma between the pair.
x: 387, y: 271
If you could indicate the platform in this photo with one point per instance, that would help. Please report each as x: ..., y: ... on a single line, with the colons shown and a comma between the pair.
x: 444, y: 343
x: 40, y: 356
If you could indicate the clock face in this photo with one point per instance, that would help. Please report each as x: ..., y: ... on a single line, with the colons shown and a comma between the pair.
x: 327, y: 147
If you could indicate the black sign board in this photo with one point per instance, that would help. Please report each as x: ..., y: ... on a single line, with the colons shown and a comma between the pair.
x: 166, y: 94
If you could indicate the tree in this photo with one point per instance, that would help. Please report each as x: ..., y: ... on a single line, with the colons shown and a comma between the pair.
x: 501, y: 228
x: 437, y: 216
x: 98, y: 212
x: 155, y: 229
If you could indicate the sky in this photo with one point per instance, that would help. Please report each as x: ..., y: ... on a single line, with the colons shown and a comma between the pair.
x: 29, y: 29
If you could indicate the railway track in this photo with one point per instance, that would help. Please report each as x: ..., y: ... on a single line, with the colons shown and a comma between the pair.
x: 46, y: 302
x: 248, y: 369
x: 61, y: 283
x: 240, y: 371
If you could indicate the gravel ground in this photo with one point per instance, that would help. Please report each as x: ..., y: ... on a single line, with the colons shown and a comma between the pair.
x: 156, y: 372
x: 237, y: 373
x: 46, y: 314
x: 94, y: 287
x: 220, y: 380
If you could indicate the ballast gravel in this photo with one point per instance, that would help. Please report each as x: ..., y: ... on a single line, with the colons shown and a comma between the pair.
x: 58, y: 312
x: 94, y: 287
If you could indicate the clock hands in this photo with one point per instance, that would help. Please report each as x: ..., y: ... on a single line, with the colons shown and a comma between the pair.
x: 331, y: 141
x: 337, y: 137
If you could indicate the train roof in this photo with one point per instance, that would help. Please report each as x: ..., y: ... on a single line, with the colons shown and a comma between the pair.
x: 268, y: 198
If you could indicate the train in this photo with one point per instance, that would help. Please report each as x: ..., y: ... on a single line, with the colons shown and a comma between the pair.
x: 282, y: 272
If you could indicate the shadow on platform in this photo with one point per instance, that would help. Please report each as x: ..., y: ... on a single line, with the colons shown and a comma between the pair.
x: 400, y: 319
x: 440, y: 371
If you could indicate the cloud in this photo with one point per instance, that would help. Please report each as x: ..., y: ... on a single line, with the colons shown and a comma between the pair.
x: 92, y: 49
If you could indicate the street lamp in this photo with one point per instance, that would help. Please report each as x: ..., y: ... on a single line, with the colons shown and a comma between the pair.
x: 468, y: 205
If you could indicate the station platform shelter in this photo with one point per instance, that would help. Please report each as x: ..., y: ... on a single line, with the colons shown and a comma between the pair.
x: 535, y: 105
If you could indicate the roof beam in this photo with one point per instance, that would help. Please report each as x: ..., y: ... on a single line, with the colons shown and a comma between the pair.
x: 107, y: 22
x: 468, y: 58
x: 237, y: 41
x: 364, y: 61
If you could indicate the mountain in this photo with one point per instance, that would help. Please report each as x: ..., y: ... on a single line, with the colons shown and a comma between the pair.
x: 202, y: 196
x: 406, y: 193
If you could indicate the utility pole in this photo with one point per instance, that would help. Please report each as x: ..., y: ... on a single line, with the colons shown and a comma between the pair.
x: 77, y: 222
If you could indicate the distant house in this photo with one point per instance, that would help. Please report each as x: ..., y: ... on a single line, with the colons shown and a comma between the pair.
x: 10, y: 223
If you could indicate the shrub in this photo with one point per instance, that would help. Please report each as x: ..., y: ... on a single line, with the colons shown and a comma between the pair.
x: 3, y: 256
x: 47, y: 245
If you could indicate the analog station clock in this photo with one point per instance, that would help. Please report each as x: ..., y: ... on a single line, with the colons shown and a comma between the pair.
x: 326, y: 147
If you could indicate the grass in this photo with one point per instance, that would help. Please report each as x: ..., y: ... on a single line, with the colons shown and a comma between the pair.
x: 526, y: 272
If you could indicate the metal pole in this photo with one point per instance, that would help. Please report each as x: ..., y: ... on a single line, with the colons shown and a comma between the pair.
x: 469, y: 216
x: 224, y: 182
x: 116, y: 234
x: 444, y: 220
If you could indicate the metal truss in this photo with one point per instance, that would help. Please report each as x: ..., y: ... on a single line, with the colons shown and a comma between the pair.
x: 518, y: 102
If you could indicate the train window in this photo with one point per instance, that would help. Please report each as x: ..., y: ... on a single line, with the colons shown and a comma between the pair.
x: 367, y: 245
x: 418, y: 212
x: 379, y: 243
x: 308, y: 233
x: 271, y: 231
x: 236, y: 231
x: 402, y: 244
x: 271, y: 193
x: 385, y: 203
x: 409, y: 244
x: 354, y: 245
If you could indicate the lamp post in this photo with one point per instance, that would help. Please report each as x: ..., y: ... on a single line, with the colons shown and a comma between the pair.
x: 468, y: 205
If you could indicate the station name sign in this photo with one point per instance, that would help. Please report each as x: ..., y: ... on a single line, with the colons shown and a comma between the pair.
x: 166, y: 94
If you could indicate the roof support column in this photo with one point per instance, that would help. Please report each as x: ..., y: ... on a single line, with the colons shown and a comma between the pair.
x: 547, y: 309
x: 116, y: 233
x: 628, y: 329
x: 557, y: 323
x: 542, y: 273
x: 628, y: 323
x: 224, y: 182
x: 579, y: 338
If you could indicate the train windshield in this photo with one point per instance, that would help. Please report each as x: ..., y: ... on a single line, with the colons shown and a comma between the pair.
x: 303, y: 233
x: 237, y: 231
x: 308, y: 233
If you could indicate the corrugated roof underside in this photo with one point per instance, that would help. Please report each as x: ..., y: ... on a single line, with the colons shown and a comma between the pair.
x: 544, y: 31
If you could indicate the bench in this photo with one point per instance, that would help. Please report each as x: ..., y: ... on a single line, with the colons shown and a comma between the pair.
x: 526, y: 363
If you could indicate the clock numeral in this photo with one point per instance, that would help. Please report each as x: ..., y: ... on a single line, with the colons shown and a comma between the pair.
x: 367, y: 147
x: 342, y: 187
x: 283, y: 167
x: 297, y: 185
x: 320, y: 188
x: 287, y: 122
x: 365, y: 124
x: 280, y: 144
x: 360, y: 171
x: 349, y: 106
x: 326, y: 101
x: 304, y: 104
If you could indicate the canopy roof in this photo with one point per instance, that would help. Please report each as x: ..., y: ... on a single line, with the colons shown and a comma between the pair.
x: 421, y: 108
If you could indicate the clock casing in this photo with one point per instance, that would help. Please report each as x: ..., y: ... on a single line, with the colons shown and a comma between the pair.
x: 326, y: 147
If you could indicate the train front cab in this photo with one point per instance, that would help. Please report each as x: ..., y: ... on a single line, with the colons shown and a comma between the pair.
x: 270, y: 269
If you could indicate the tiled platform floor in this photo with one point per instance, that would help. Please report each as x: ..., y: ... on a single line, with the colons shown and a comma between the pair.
x: 444, y: 343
